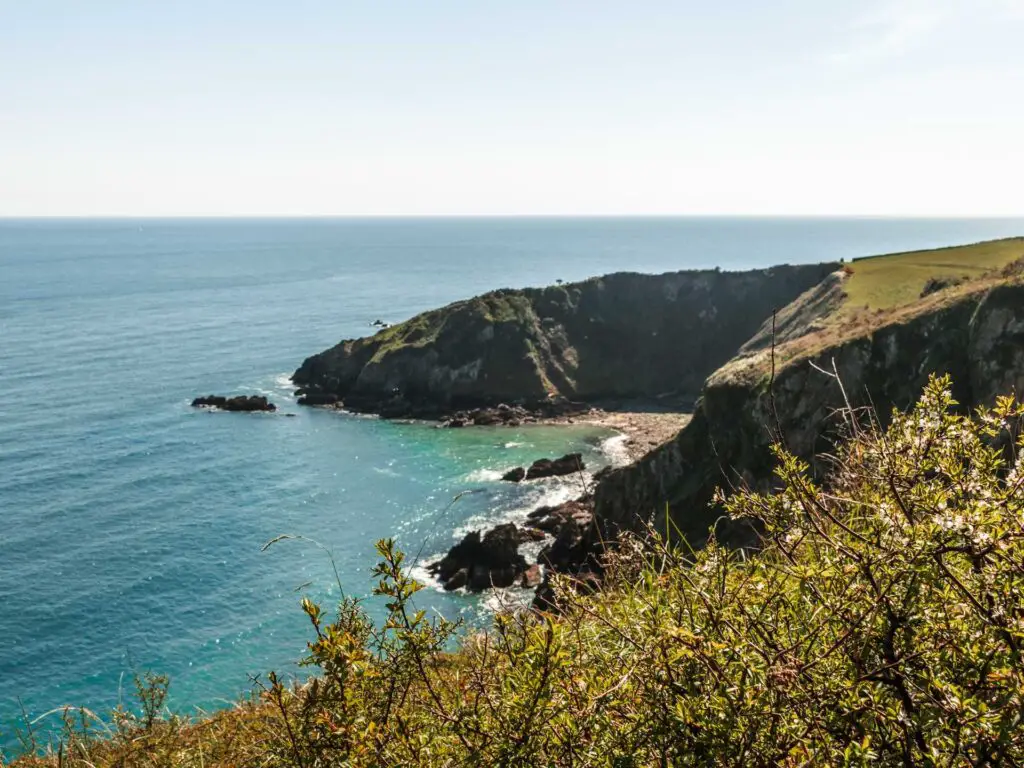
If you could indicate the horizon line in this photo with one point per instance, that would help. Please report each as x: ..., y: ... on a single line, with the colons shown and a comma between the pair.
x: 450, y: 216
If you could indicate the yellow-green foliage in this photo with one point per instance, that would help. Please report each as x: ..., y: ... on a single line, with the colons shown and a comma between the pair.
x: 882, y: 623
x: 418, y: 331
x: 423, y: 329
x: 887, y: 282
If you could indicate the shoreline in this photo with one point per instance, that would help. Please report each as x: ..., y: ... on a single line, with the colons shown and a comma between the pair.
x: 644, y: 426
x: 643, y: 430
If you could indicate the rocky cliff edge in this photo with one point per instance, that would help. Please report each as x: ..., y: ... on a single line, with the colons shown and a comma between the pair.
x: 624, y: 335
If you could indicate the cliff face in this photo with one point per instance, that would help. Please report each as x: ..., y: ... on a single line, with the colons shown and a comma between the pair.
x: 620, y: 336
x: 978, y: 338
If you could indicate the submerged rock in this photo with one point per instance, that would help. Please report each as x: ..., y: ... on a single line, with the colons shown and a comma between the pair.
x: 243, y: 403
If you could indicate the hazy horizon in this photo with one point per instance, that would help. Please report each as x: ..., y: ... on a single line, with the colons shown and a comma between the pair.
x: 892, y: 108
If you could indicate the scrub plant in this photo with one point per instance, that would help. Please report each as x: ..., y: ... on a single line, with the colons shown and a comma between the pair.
x: 881, y: 623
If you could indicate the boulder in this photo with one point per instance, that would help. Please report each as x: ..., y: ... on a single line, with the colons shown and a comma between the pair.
x: 551, y: 519
x: 486, y: 418
x: 483, y: 561
x: 244, y: 403
x: 571, y: 462
x: 516, y: 475
x: 568, y: 551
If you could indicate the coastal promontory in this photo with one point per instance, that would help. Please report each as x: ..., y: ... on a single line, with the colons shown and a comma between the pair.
x: 620, y: 336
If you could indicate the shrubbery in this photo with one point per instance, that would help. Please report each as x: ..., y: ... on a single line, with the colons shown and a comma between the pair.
x: 881, y: 623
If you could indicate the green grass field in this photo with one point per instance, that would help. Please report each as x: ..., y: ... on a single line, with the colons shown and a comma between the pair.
x: 894, y: 280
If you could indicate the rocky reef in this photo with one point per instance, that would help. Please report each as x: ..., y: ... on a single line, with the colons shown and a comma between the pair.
x: 243, y: 403
x: 624, y: 335
x: 541, y: 468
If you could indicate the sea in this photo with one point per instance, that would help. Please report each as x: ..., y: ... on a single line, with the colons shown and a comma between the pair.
x: 132, y: 526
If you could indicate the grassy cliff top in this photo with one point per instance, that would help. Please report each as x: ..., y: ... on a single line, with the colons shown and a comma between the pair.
x: 871, y: 293
x: 894, y: 280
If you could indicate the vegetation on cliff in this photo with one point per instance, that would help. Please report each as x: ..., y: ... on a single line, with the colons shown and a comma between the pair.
x: 619, y: 336
x: 879, y: 620
x: 883, y: 353
x: 881, y: 623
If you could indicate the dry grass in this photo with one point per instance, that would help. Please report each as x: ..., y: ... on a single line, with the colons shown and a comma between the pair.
x: 231, y: 737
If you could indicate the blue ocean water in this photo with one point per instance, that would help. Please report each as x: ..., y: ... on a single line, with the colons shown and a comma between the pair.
x: 132, y: 524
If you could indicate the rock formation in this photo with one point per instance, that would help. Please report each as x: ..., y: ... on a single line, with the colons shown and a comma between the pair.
x: 481, y: 562
x: 977, y: 338
x: 620, y: 336
x: 566, y: 465
x: 765, y: 351
x: 236, y: 403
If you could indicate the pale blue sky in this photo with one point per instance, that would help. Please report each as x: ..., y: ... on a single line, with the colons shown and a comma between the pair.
x: 896, y: 107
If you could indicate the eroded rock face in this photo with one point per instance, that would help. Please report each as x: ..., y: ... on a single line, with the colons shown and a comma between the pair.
x: 978, y: 339
x: 238, y: 403
x: 620, y: 336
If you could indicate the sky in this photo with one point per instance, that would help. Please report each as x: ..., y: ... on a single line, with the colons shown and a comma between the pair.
x: 794, y: 107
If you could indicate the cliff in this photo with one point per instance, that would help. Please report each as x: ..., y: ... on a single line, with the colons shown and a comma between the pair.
x: 624, y: 335
x: 974, y: 332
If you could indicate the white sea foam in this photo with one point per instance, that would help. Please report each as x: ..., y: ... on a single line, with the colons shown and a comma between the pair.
x: 514, y: 444
x: 420, y: 571
x: 615, y: 449
x: 484, y: 476
x: 283, y: 382
x: 551, y: 492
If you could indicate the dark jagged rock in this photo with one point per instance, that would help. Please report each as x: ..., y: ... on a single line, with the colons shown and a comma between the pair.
x: 620, y: 336
x: 571, y: 462
x: 243, y: 403
x: 514, y: 415
x: 516, y: 475
x: 541, y: 468
x: 570, y: 550
x: 457, y: 580
x: 481, y: 562
x: 318, y: 398
x: 551, y: 519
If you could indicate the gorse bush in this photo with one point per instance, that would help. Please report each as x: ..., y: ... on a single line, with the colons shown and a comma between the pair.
x: 881, y: 623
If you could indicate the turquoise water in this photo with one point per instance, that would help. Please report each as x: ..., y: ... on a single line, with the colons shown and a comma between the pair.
x: 132, y: 524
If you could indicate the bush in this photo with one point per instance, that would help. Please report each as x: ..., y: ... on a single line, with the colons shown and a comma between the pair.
x: 880, y: 623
